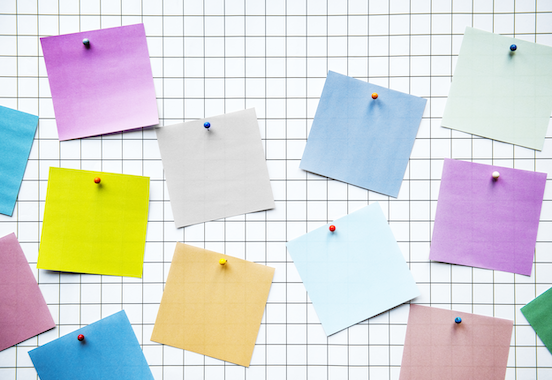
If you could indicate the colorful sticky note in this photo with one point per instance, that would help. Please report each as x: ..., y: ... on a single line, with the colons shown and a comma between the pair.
x: 23, y: 311
x: 103, y: 88
x: 94, y: 228
x: 438, y: 348
x: 359, y: 140
x: 354, y: 272
x: 500, y: 94
x: 17, y: 130
x: 216, y: 172
x: 537, y: 313
x: 213, y: 309
x: 109, y: 351
x: 485, y: 222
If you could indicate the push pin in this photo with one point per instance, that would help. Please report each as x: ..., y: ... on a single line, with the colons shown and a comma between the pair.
x: 513, y: 47
x: 223, y: 261
x: 80, y: 338
x: 97, y: 180
x: 332, y: 228
x: 458, y: 320
x: 496, y: 175
x: 374, y: 95
x: 86, y: 42
x: 207, y: 125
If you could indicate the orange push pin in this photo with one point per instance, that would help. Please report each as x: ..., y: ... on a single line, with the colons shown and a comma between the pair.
x: 97, y: 180
x: 223, y: 261
x: 80, y: 337
x: 332, y: 228
x: 374, y: 95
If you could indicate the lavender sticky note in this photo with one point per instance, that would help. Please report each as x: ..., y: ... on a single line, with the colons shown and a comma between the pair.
x: 485, y: 222
x: 17, y: 130
x: 359, y: 140
x: 23, y: 311
x: 101, y: 88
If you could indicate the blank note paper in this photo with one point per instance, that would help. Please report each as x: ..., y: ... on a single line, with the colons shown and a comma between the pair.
x: 109, y: 351
x: 500, y: 94
x: 359, y: 140
x: 217, y: 172
x: 487, y: 223
x: 355, y: 272
x: 213, y: 309
x: 436, y: 347
x: 537, y: 313
x: 94, y: 228
x: 17, y: 131
x: 23, y: 311
x: 103, y: 88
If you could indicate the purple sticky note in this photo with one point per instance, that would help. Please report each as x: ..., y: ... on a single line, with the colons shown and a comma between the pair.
x: 23, y: 311
x: 101, y: 88
x: 485, y: 222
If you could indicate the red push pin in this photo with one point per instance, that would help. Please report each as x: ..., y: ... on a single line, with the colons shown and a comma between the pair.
x: 80, y: 337
x: 97, y: 180
x: 332, y: 228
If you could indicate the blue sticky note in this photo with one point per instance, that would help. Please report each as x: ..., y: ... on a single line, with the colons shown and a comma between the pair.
x: 359, y: 140
x: 17, y: 130
x: 109, y: 350
x: 354, y: 272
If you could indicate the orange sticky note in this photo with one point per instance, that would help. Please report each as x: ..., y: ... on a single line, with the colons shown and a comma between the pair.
x: 212, y: 309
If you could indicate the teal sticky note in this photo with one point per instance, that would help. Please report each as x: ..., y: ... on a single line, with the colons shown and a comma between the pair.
x: 501, y: 94
x: 109, y: 351
x: 17, y: 130
x: 359, y: 140
x: 354, y: 272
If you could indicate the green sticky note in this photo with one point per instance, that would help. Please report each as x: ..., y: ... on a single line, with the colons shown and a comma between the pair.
x: 94, y: 228
x: 537, y: 313
x: 501, y: 94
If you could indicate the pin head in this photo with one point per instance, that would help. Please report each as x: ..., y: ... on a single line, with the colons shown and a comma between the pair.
x: 513, y: 47
x: 458, y: 320
x: 332, y: 228
x: 207, y: 125
x: 496, y: 175
x: 86, y: 42
x: 223, y: 261
x: 80, y: 337
x: 97, y: 180
x: 374, y: 95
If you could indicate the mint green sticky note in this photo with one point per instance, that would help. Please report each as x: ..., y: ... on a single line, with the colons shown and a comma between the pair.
x: 500, y: 94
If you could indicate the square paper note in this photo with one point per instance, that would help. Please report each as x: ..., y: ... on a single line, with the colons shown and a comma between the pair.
x: 537, y: 313
x: 436, y: 347
x: 354, y: 272
x: 500, y: 94
x: 94, y: 228
x: 487, y: 223
x: 213, y: 309
x: 217, y: 172
x: 359, y: 140
x: 17, y: 130
x: 109, y: 351
x: 23, y: 311
x: 103, y: 88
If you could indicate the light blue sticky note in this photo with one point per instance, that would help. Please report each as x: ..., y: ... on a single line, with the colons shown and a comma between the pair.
x: 109, y: 350
x: 355, y: 272
x: 17, y: 130
x: 359, y: 140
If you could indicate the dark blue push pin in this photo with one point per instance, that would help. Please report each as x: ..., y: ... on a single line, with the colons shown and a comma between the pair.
x: 513, y: 47
x: 207, y: 125
x: 86, y: 42
x: 458, y: 320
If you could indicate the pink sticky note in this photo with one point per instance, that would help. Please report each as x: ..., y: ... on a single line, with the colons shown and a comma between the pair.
x: 436, y: 347
x: 23, y: 311
x: 485, y: 222
x: 106, y: 87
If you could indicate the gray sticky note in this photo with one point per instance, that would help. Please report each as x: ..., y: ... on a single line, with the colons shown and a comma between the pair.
x: 217, y: 172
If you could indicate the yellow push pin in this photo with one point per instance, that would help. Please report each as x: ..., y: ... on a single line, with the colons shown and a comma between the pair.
x: 375, y: 95
x: 223, y: 261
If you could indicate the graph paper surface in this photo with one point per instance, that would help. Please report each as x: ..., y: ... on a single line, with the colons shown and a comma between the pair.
x: 216, y: 56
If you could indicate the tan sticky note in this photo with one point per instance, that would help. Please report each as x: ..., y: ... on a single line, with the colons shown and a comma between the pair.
x: 213, y: 309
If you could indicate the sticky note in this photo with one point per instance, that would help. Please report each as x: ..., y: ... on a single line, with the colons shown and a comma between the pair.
x: 500, y: 94
x: 94, y: 228
x: 23, y: 311
x: 487, y: 223
x: 104, y: 88
x: 217, y: 172
x: 354, y: 272
x: 212, y: 309
x: 17, y: 131
x: 359, y: 140
x: 109, y: 351
x: 537, y: 313
x: 438, y: 348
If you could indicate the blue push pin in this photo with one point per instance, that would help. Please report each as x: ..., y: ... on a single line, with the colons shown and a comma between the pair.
x: 458, y: 320
x: 207, y: 125
x: 513, y: 47
x: 86, y: 42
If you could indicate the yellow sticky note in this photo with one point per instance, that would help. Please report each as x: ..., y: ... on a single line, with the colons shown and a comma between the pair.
x: 93, y: 227
x: 213, y: 309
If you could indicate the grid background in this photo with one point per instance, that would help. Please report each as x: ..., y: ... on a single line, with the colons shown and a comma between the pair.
x: 216, y: 56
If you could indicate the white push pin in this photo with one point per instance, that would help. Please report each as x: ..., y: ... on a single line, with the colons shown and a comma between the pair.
x: 496, y: 175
